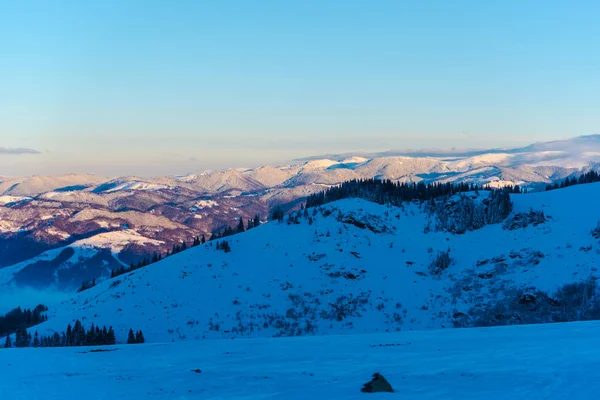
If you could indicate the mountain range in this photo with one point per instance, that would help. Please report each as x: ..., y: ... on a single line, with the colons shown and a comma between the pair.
x: 60, y: 230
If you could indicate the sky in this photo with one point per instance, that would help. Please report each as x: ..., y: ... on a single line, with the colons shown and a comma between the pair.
x: 169, y: 87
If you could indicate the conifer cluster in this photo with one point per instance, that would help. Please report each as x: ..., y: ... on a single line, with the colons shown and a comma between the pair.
x: 19, y: 318
x: 75, y: 335
x: 386, y: 191
x: 135, y: 338
x: 588, y: 177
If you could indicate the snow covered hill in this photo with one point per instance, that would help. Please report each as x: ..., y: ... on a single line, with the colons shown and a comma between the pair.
x: 65, y: 268
x: 34, y: 185
x: 526, y: 362
x: 357, y: 267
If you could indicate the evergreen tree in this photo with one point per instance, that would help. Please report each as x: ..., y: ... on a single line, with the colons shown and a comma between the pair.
x: 8, y: 342
x: 69, y: 335
x: 256, y: 222
x: 23, y: 339
x: 104, y: 335
x: 240, y: 227
x: 110, y: 338
x: 277, y: 214
x: 36, y: 340
x: 131, y: 338
x: 203, y: 240
x: 139, y: 337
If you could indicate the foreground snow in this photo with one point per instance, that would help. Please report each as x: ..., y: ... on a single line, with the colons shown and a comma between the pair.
x: 554, y: 361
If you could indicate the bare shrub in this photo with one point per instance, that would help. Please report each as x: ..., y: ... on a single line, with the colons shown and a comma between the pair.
x: 579, y: 301
x: 523, y: 220
x: 441, y: 262
x: 596, y: 231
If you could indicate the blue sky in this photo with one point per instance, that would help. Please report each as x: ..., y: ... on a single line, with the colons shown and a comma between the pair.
x: 166, y: 87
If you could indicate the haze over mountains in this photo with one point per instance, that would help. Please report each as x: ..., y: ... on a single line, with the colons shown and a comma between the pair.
x: 78, y: 226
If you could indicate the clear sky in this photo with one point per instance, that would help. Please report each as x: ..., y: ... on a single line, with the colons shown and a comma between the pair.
x: 146, y: 87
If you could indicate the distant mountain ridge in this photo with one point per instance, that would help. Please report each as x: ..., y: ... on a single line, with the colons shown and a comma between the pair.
x: 529, y: 166
x: 40, y: 214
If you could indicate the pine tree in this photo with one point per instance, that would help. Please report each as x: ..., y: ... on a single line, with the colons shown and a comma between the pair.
x: 240, y: 227
x: 104, y: 335
x: 110, y: 338
x: 131, y: 337
x: 23, y: 339
x: 139, y: 337
x: 277, y: 214
x: 203, y: 240
x: 8, y: 342
x: 69, y: 335
x: 36, y: 340
x: 256, y: 222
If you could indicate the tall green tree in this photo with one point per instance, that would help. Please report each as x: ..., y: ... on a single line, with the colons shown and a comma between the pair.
x: 240, y: 226
x: 131, y: 337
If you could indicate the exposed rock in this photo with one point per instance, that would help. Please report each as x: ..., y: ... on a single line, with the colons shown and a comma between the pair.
x: 528, y: 298
x: 377, y: 384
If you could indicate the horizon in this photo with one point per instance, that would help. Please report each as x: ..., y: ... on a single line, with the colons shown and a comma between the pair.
x: 152, y: 89
x: 439, y: 153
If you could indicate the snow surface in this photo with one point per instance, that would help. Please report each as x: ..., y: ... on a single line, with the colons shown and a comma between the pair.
x: 137, y: 185
x: 12, y: 199
x: 558, y: 361
x: 206, y: 204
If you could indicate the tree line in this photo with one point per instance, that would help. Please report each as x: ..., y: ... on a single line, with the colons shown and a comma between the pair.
x: 385, y: 191
x: 75, y: 335
x: 22, y: 319
x: 588, y: 177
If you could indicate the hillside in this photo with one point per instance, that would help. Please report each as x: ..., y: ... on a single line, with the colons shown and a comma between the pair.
x: 527, y: 362
x: 359, y: 267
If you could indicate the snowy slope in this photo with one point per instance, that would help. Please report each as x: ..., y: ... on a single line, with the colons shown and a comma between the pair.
x: 12, y: 199
x: 66, y: 267
x: 532, y: 362
x: 33, y: 185
x: 332, y: 276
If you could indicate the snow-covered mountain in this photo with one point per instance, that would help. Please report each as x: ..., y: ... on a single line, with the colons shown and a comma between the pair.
x: 39, y: 214
x: 354, y: 266
x: 534, y: 164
